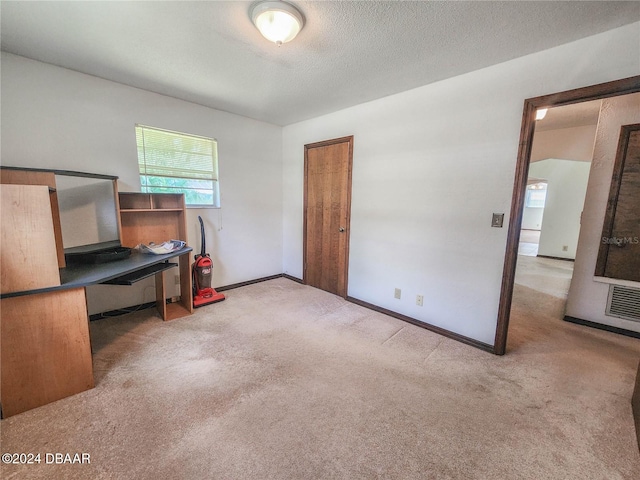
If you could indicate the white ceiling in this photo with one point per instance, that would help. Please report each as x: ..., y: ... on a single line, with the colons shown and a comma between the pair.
x: 349, y: 52
x: 574, y: 115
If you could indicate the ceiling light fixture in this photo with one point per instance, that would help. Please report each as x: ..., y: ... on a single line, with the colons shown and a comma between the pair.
x: 540, y: 113
x: 277, y: 21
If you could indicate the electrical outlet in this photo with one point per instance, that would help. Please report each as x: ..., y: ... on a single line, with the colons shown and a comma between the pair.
x: 419, y: 300
x: 397, y: 293
x: 176, y: 279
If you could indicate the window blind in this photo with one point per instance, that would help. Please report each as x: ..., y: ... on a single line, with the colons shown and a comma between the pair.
x: 178, y: 162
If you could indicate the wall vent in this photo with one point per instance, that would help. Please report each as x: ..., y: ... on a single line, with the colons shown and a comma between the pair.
x: 624, y: 302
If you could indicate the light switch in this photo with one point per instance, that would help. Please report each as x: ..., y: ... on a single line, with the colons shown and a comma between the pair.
x: 497, y: 220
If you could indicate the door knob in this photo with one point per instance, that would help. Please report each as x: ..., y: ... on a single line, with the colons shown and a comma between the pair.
x: 341, y: 229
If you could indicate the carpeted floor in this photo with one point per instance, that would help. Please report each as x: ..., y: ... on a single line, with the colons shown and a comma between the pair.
x: 529, y: 243
x: 530, y: 236
x: 283, y: 381
x: 545, y: 275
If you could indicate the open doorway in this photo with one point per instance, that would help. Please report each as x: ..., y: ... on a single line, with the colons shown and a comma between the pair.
x: 557, y: 180
x: 531, y: 106
x: 533, y: 215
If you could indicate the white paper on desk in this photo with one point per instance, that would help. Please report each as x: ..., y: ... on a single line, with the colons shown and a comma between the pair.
x: 164, y: 248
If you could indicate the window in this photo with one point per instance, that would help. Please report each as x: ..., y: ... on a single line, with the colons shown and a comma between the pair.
x: 536, y: 195
x: 172, y: 162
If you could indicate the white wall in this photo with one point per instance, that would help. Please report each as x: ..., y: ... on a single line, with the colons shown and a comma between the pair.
x: 60, y: 119
x: 430, y: 166
x: 587, y: 297
x: 532, y: 218
x: 566, y: 190
x: 574, y: 143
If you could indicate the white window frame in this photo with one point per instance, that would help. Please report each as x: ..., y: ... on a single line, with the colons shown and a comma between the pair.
x: 178, y: 162
x: 535, y: 188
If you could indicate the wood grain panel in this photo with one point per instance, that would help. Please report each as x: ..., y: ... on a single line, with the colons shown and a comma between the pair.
x: 315, y: 217
x: 620, y: 255
x: 46, y: 352
x: 186, y: 286
x: 28, y: 257
x: 116, y: 196
x: 154, y: 226
x: 327, y: 214
x: 161, y: 296
x: 27, y: 177
x: 151, y: 217
x: 33, y: 177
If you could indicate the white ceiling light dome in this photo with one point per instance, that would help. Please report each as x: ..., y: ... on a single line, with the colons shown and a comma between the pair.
x: 541, y: 113
x: 277, y: 21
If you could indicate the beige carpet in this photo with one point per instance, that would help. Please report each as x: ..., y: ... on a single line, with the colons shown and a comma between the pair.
x: 530, y: 236
x: 545, y: 275
x: 283, y: 381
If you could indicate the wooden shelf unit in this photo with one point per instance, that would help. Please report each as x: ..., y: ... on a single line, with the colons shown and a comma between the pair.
x: 152, y: 217
x: 155, y: 218
x: 151, y: 201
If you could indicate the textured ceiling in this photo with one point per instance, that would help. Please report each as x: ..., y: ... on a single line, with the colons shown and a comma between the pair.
x: 349, y: 52
x: 574, y: 115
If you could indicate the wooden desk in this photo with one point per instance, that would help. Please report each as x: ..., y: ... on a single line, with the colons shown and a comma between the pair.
x: 46, y: 350
x: 44, y: 330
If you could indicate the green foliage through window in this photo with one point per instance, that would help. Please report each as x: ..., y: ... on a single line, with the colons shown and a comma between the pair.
x: 172, y: 162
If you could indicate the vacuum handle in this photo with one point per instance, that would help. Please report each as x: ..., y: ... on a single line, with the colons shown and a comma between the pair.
x: 203, y: 249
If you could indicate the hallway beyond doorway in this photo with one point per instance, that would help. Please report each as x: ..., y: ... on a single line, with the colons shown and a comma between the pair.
x: 545, y: 275
x: 529, y: 243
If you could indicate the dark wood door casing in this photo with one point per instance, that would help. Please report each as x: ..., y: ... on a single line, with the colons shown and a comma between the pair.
x: 327, y: 214
x: 595, y: 92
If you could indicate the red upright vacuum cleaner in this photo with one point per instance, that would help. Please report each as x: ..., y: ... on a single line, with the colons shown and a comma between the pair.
x: 202, y: 271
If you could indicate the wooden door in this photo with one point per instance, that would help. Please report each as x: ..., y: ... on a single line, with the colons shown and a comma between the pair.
x: 619, y: 255
x: 327, y: 208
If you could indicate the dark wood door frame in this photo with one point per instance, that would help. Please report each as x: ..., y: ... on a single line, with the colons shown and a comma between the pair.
x: 326, y: 143
x: 594, y: 92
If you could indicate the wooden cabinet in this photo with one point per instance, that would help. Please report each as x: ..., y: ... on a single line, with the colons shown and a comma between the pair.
x: 155, y: 218
x: 46, y: 353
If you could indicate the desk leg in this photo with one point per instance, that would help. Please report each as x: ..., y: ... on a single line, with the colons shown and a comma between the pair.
x: 46, y: 351
x: 161, y: 296
x: 184, y: 307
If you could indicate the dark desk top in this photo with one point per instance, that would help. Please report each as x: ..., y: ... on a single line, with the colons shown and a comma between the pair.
x: 76, y: 276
